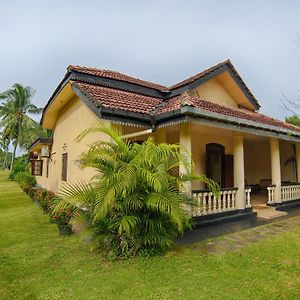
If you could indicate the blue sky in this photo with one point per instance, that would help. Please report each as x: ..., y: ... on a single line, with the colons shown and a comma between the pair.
x: 161, y: 41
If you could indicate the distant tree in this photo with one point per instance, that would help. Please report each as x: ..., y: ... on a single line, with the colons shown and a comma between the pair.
x: 294, y: 119
x: 5, y: 156
x: 15, y: 108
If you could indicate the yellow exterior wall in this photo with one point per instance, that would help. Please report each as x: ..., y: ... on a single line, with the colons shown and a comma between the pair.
x: 72, y: 120
x: 257, y: 161
x: 213, y: 91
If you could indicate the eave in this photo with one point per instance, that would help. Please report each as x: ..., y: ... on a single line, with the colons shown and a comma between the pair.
x: 39, y: 143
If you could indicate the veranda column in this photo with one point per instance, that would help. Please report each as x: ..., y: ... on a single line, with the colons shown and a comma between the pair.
x: 185, y: 140
x: 238, y: 170
x: 160, y: 135
x: 298, y: 161
x: 275, y: 168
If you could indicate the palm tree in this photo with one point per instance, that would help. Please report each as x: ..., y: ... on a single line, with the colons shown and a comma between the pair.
x: 4, y: 147
x: 14, y: 110
x: 135, y: 203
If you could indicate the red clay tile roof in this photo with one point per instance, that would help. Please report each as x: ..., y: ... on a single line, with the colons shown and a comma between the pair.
x: 118, y: 99
x: 116, y: 76
x: 213, y: 69
x: 122, y: 77
x: 199, y: 75
x: 132, y: 102
x: 186, y: 99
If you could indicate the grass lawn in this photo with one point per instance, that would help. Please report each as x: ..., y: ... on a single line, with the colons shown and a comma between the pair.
x: 37, y: 263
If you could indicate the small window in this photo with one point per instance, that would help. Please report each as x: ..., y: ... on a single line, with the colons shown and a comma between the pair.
x: 64, y: 166
x: 37, y: 167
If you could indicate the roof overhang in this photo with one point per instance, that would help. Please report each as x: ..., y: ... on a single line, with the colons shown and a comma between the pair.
x: 224, y: 121
x: 39, y: 143
x: 55, y: 104
x: 226, y: 68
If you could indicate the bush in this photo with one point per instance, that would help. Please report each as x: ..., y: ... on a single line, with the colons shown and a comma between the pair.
x: 25, y: 179
x: 47, y: 201
x: 63, y: 219
x: 136, y: 204
x: 21, y: 165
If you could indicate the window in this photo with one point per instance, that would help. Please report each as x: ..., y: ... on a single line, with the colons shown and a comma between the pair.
x: 36, y: 167
x: 64, y: 166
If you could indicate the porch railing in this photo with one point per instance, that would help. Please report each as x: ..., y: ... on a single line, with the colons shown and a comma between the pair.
x: 208, y: 204
x: 271, y: 191
x: 290, y: 192
x: 247, y: 197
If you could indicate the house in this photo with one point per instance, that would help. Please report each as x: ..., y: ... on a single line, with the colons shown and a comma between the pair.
x: 213, y: 114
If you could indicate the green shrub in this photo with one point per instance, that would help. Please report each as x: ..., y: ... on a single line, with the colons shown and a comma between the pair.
x: 136, y: 204
x: 63, y: 219
x: 47, y: 201
x: 25, y: 179
x: 21, y: 165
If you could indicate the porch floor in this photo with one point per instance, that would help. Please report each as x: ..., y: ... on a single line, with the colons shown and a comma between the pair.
x: 264, y: 212
x: 259, y: 201
x: 212, y: 231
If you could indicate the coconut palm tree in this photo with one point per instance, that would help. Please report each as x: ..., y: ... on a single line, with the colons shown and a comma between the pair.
x: 135, y: 203
x: 15, y: 108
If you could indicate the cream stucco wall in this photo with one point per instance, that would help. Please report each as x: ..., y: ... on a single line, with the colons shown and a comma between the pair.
x: 257, y: 161
x: 213, y: 91
x: 72, y: 120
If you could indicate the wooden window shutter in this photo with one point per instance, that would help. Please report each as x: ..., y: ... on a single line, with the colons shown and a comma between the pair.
x: 37, y: 167
x: 64, y: 166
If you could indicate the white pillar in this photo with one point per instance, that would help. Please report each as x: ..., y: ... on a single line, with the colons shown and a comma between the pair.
x: 298, y: 161
x: 275, y: 168
x: 185, y: 140
x: 160, y: 135
x: 238, y: 170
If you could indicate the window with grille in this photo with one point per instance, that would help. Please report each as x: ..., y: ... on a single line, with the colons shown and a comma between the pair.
x: 64, y: 166
x: 37, y: 167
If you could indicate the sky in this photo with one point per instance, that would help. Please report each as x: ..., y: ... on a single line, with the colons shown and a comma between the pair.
x: 161, y: 41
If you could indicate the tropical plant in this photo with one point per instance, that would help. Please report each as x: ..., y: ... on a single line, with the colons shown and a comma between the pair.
x: 135, y: 203
x: 14, y: 113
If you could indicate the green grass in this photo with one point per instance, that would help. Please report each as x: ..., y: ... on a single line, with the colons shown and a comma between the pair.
x: 37, y: 263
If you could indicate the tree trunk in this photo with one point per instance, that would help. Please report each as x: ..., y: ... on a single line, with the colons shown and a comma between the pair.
x: 13, y: 158
x: 5, y: 160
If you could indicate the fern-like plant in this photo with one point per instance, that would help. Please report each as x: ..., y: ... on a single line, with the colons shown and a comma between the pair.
x: 135, y: 203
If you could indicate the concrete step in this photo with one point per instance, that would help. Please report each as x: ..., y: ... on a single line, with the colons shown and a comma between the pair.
x: 268, y: 213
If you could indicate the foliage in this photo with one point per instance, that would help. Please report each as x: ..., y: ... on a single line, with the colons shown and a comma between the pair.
x: 5, y: 154
x: 47, y: 200
x: 15, y: 109
x: 294, y: 119
x: 21, y: 165
x: 135, y: 204
x: 25, y: 179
